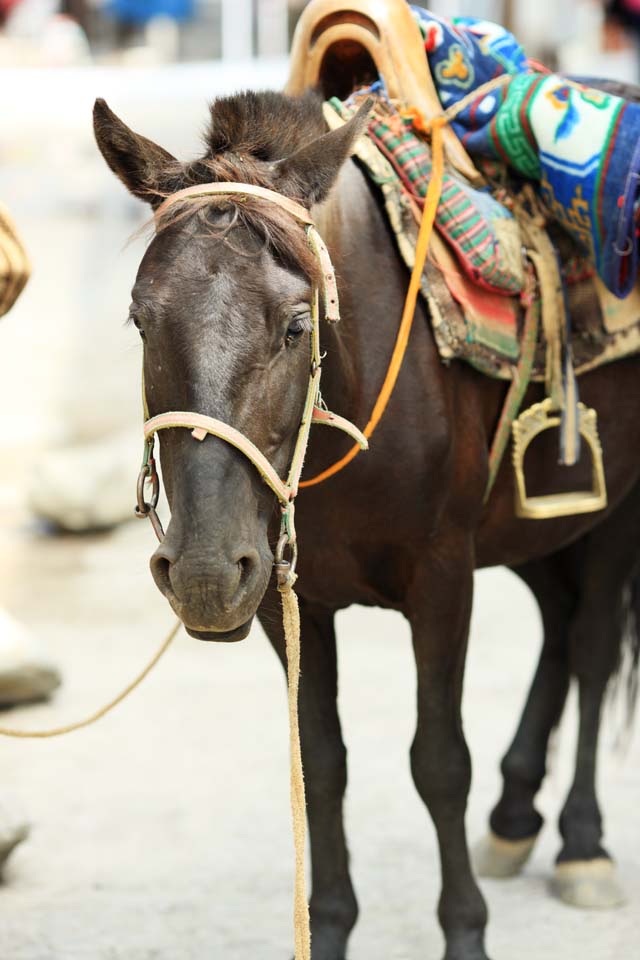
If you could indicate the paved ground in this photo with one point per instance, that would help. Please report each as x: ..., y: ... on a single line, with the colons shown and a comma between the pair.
x: 163, y: 832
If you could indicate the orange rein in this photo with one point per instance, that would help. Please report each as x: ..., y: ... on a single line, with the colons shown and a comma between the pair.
x: 422, y: 247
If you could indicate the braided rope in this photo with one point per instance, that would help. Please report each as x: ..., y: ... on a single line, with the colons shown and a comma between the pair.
x: 291, y: 621
x: 94, y: 717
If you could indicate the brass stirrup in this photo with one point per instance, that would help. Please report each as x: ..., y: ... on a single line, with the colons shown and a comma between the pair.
x: 544, y: 416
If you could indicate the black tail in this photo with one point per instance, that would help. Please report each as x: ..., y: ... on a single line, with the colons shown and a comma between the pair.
x: 625, y: 678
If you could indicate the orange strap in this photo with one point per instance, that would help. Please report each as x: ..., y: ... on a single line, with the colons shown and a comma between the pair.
x: 422, y: 247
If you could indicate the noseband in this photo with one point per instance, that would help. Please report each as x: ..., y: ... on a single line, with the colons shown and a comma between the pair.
x: 314, y: 410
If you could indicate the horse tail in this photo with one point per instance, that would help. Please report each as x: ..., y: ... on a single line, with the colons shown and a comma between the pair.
x: 625, y: 679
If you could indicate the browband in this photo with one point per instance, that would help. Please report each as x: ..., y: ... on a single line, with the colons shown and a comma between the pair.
x: 237, y: 190
x: 296, y: 210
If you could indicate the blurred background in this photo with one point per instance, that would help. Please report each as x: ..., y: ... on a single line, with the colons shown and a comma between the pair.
x: 146, y: 843
x: 157, y: 62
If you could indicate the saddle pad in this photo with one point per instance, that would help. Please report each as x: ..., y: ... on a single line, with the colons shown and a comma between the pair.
x: 482, y: 326
x: 482, y: 232
x: 578, y: 143
x: 484, y: 330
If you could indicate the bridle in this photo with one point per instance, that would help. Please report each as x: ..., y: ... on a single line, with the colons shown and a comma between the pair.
x: 314, y: 411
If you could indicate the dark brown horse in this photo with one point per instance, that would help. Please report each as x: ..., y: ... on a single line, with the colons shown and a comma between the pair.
x: 222, y: 303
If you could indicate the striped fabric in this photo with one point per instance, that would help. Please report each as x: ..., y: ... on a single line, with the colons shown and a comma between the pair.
x: 466, y: 217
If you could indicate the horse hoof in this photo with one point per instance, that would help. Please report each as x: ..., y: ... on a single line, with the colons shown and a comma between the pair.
x: 496, y: 857
x: 590, y: 884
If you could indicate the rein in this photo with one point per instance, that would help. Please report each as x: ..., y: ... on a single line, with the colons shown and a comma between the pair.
x: 286, y: 491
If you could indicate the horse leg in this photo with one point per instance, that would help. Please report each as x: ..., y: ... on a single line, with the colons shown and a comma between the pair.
x: 585, y: 874
x: 514, y: 822
x: 333, y: 904
x: 439, y: 608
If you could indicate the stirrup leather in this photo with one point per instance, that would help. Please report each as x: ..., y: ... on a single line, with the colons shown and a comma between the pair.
x: 544, y: 416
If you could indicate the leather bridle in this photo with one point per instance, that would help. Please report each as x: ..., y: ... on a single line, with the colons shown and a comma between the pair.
x: 314, y: 410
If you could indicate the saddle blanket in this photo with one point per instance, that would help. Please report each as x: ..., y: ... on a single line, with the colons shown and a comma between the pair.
x: 474, y: 276
x: 580, y: 145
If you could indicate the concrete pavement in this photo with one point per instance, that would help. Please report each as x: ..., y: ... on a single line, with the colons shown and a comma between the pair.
x: 163, y: 833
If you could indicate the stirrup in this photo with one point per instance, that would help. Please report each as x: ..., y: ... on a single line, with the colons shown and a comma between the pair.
x: 538, y: 418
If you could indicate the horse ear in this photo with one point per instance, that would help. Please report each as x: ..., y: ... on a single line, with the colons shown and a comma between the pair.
x: 143, y: 166
x: 309, y: 174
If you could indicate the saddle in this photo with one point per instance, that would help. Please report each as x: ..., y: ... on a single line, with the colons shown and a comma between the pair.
x: 338, y: 48
x: 549, y: 320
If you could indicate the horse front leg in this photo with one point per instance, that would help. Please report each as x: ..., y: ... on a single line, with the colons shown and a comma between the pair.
x: 333, y: 906
x: 439, y: 609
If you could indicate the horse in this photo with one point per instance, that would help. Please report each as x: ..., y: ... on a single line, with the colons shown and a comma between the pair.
x: 222, y: 301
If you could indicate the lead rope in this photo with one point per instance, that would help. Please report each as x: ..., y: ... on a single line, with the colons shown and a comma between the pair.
x: 291, y: 621
x: 408, y: 313
x: 94, y: 717
x: 434, y: 127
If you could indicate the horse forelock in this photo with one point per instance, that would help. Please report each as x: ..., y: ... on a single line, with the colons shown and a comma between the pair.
x: 265, y: 126
x: 273, y: 226
x: 246, y: 134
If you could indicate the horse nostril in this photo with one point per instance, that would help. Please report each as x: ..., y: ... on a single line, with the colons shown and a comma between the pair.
x: 160, y: 569
x: 247, y: 565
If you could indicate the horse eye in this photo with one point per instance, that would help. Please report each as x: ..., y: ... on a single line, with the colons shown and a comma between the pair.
x: 138, y: 327
x: 298, y: 326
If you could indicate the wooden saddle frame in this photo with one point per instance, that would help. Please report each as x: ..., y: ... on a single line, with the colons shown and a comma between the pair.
x: 338, y: 46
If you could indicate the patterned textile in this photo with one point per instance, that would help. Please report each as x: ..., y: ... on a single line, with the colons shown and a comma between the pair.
x: 474, y: 323
x: 581, y: 145
x: 481, y: 231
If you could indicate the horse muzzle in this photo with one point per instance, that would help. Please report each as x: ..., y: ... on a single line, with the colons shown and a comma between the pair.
x: 216, y: 597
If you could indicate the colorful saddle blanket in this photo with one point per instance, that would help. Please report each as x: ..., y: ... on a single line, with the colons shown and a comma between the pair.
x: 581, y: 145
x: 475, y: 274
x: 481, y: 231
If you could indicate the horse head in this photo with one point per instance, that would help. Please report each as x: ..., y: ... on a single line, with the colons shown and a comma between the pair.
x: 223, y: 302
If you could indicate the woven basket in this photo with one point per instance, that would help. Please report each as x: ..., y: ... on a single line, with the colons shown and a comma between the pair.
x: 15, y: 268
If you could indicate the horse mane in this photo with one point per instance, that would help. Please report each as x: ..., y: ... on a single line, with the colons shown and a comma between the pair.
x: 265, y: 126
x: 248, y: 132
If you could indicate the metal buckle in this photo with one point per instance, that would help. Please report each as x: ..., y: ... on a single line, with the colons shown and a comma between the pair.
x: 285, y: 569
x: 147, y: 508
x: 544, y: 416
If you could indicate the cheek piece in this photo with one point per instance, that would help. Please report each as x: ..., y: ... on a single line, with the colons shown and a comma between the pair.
x: 314, y: 410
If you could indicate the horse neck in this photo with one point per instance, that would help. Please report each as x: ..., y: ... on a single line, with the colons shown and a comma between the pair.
x: 372, y: 283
